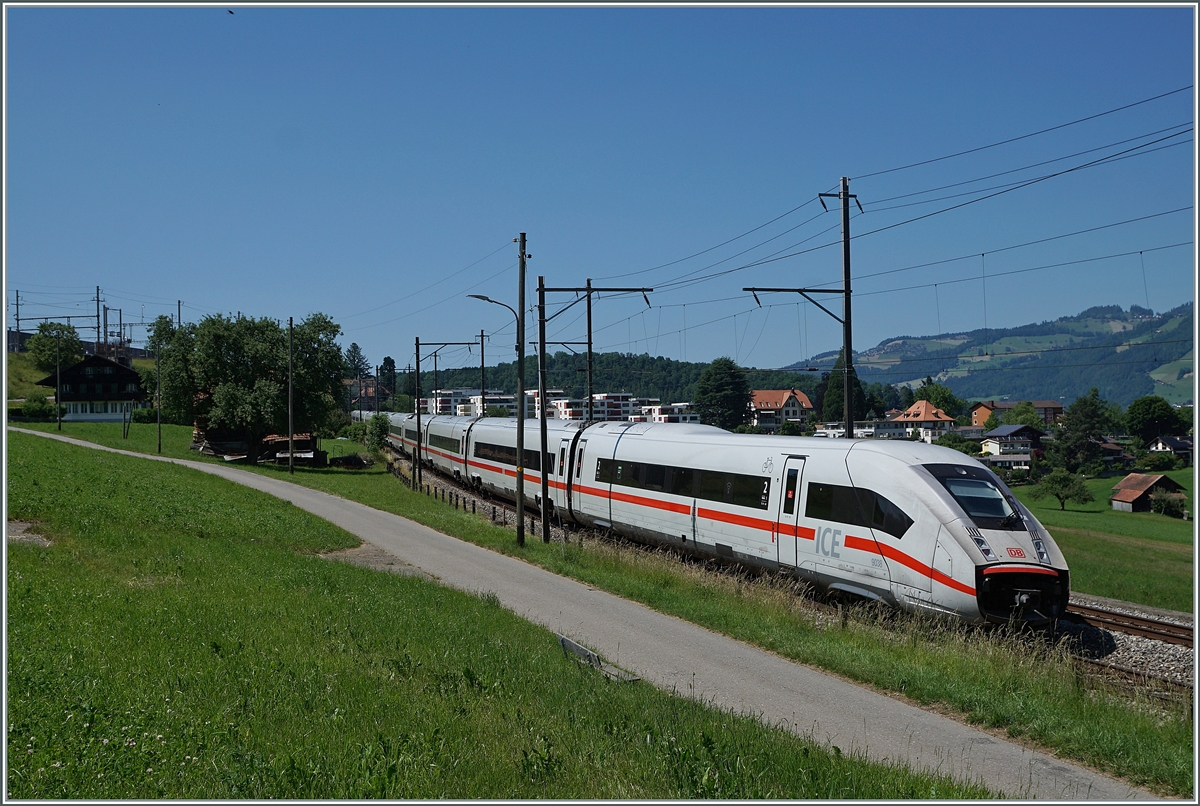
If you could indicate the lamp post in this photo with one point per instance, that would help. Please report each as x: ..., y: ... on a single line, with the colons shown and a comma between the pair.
x: 520, y: 417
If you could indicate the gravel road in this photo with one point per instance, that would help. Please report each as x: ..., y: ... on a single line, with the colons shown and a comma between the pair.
x: 690, y: 661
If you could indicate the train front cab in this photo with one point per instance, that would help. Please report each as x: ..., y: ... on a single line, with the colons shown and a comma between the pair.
x: 1020, y: 576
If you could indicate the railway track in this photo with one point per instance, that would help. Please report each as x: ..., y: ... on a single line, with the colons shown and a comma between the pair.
x: 1157, y: 629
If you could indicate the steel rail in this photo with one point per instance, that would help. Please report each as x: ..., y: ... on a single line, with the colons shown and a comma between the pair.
x: 1157, y: 629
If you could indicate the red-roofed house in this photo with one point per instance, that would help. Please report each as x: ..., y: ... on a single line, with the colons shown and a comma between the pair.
x: 927, y: 419
x: 771, y: 408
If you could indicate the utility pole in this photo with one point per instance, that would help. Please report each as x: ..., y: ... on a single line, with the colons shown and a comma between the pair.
x: 291, y: 431
x: 591, y: 400
x: 417, y: 406
x: 482, y: 380
x: 588, y: 290
x: 158, y: 390
x: 178, y: 313
x: 542, y: 408
x: 97, y: 344
x: 848, y: 372
x: 521, y: 392
x: 57, y: 376
x: 847, y: 331
x: 18, y: 347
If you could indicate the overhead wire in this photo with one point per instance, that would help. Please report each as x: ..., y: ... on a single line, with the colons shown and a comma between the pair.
x: 431, y: 285
x: 1031, y: 165
x: 1024, y: 136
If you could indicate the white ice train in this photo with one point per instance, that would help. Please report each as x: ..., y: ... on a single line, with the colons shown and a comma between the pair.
x: 917, y: 526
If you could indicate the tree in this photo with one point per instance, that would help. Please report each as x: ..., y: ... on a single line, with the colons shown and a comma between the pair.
x: 1023, y: 414
x: 377, y: 432
x: 234, y: 373
x: 317, y: 363
x: 36, y: 407
x: 387, y: 374
x: 992, y: 422
x: 941, y: 397
x: 1084, y: 422
x: 1173, y: 505
x: 1150, y: 417
x: 240, y: 366
x: 722, y: 395
x: 55, y: 345
x: 174, y: 348
x: 833, y: 406
x: 356, y: 363
x: 959, y: 443
x: 1063, y: 485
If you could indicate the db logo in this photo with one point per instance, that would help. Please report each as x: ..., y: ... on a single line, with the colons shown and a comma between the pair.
x: 1019, y: 553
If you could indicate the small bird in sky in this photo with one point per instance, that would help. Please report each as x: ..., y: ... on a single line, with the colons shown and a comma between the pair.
x: 229, y: 10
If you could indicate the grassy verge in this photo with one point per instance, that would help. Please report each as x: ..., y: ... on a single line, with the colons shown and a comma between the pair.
x: 179, y: 640
x: 1029, y: 691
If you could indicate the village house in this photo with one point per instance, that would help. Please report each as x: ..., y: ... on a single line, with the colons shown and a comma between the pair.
x: 771, y: 408
x: 926, y: 419
x: 1180, y: 446
x: 1050, y: 411
x: 98, y: 389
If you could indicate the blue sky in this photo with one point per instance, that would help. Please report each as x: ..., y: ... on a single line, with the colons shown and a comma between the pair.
x: 376, y: 163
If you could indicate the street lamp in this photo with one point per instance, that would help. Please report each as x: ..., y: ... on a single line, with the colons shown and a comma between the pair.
x: 520, y: 416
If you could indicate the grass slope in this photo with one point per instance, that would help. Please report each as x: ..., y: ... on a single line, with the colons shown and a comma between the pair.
x: 1027, y: 689
x: 179, y: 640
x: 22, y: 375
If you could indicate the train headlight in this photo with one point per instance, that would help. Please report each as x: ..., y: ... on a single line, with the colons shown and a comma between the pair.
x: 981, y: 543
x: 1040, y: 548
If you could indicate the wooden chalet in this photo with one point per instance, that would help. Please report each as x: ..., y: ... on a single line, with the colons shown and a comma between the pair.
x: 98, y: 389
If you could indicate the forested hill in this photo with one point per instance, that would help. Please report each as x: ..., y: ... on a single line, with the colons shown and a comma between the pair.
x: 1125, y: 354
x: 641, y: 375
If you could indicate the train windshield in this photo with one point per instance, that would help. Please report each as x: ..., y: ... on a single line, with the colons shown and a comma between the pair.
x: 978, y: 492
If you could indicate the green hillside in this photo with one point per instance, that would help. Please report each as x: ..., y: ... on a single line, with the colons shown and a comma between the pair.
x: 1125, y: 354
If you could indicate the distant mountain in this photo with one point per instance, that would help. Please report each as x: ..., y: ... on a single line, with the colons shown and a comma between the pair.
x: 1125, y: 354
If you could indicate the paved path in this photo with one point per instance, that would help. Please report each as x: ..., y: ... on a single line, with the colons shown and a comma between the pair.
x: 691, y: 661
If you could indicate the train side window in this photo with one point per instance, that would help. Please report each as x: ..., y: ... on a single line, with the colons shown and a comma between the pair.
x: 682, y: 482
x: 750, y: 491
x: 562, y: 460
x: 654, y: 477
x: 833, y: 502
x: 789, y: 491
x: 712, y: 485
x: 604, y: 470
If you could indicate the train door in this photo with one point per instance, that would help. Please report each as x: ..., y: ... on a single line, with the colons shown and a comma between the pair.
x: 789, y: 512
x: 577, y: 478
x: 561, y: 489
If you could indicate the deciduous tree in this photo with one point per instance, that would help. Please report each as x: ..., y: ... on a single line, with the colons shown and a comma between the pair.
x: 54, y: 344
x: 941, y: 397
x: 1151, y: 417
x: 1064, y: 485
